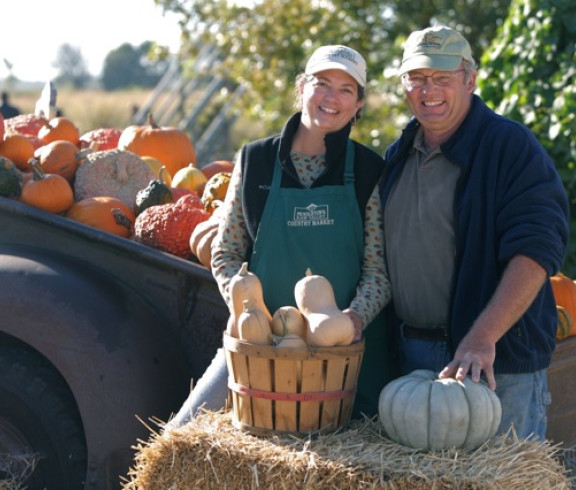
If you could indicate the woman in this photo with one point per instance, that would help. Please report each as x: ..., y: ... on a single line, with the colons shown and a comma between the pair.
x: 308, y: 198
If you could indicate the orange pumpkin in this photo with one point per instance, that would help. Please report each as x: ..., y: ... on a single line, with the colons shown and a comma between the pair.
x: 565, y: 295
x: 59, y: 128
x: 60, y: 157
x: 105, y: 213
x: 18, y: 148
x: 216, y: 167
x: 170, y: 145
x: 49, y: 192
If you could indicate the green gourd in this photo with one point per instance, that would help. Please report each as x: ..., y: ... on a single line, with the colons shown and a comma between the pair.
x: 10, y: 179
x: 154, y: 194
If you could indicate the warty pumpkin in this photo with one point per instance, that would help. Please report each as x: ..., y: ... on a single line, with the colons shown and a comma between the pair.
x: 424, y: 412
x: 168, y: 227
x: 169, y: 145
x: 100, y: 139
x: 215, y: 190
x: 105, y: 213
x: 326, y: 324
x: 112, y: 173
x: 25, y: 124
x: 244, y: 285
x: 49, y: 192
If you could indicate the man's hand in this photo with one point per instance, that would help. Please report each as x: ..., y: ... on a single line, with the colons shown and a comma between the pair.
x: 474, y: 355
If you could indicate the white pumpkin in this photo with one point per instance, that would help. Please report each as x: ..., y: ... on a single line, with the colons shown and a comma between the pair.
x: 424, y: 412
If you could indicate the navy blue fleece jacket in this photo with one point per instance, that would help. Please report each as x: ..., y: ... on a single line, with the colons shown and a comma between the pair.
x: 509, y: 201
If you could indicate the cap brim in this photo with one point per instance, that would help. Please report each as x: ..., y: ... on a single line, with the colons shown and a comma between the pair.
x: 435, y: 62
x: 334, y: 65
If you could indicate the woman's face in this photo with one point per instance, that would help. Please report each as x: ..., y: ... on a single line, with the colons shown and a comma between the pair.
x: 329, y: 100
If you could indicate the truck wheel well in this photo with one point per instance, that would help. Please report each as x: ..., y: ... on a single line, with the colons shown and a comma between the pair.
x: 39, y: 419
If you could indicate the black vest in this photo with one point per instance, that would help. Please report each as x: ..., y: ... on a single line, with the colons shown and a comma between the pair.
x: 258, y: 157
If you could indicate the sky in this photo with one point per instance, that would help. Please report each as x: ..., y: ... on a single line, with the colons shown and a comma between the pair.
x: 31, y: 31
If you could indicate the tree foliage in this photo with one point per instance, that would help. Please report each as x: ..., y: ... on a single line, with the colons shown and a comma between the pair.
x: 265, y: 44
x: 129, y: 65
x: 71, y: 65
x: 529, y: 74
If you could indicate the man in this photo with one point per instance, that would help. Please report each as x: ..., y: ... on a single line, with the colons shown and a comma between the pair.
x: 475, y: 223
x: 6, y: 109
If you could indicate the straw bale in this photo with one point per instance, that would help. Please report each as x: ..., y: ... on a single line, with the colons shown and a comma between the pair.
x: 209, y: 453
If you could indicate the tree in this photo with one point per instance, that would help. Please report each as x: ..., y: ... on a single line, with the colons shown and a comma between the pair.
x: 530, y: 75
x: 264, y: 46
x: 71, y: 66
x: 130, y: 65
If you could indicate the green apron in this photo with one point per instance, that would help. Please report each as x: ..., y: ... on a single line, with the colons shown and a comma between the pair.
x: 320, y: 229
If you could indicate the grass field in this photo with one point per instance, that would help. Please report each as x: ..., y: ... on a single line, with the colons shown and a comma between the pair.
x: 89, y: 109
x: 93, y: 109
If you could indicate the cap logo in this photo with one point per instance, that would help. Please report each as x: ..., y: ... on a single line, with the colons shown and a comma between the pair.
x: 344, y: 53
x: 431, y: 40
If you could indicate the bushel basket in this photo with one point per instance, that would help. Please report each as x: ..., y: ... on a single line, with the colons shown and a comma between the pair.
x: 287, y: 390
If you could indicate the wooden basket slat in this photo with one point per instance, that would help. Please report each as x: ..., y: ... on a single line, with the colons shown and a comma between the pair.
x: 335, y: 371
x: 312, y: 381
x: 262, y: 379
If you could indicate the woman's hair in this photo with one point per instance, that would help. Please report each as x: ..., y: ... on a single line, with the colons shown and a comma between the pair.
x: 303, y: 78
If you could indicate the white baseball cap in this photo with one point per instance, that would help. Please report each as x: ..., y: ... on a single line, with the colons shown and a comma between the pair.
x: 337, y: 57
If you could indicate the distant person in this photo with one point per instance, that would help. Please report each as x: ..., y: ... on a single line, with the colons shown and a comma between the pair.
x: 6, y: 109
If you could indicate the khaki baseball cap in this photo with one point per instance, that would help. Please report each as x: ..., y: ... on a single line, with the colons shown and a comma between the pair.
x: 337, y: 57
x: 437, y: 48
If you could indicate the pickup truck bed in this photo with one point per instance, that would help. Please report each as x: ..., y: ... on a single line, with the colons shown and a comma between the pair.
x: 96, y: 332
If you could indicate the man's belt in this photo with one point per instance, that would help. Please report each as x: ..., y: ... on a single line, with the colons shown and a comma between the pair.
x: 434, y: 334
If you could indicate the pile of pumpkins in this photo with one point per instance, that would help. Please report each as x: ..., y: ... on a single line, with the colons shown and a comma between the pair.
x: 315, y: 321
x: 140, y: 183
x: 564, y: 289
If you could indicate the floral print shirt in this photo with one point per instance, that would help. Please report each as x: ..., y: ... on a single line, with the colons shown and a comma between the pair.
x: 232, y: 244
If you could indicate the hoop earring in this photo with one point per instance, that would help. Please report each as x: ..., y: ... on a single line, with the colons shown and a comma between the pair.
x: 353, y: 120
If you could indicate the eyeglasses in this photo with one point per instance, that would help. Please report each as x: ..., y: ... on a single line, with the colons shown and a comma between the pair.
x: 440, y: 78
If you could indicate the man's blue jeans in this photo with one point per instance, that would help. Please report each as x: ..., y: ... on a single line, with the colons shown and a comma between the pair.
x: 524, y: 397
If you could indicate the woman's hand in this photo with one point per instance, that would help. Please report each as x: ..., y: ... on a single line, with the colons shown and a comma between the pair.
x: 358, y: 323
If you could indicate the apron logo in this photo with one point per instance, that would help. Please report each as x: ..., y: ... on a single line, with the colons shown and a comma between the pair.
x: 311, y: 215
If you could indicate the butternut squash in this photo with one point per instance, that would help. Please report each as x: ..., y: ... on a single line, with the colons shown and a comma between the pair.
x: 253, y: 325
x: 245, y: 285
x: 288, y: 320
x: 290, y: 341
x: 326, y: 324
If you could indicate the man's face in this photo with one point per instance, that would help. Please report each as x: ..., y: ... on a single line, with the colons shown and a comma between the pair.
x: 440, y: 104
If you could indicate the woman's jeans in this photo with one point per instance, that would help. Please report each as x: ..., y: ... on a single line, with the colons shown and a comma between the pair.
x: 210, y: 393
x: 524, y: 397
